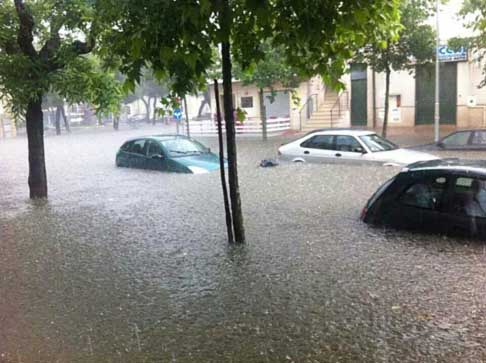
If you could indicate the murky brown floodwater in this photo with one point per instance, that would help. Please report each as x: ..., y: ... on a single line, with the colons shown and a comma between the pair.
x: 132, y: 266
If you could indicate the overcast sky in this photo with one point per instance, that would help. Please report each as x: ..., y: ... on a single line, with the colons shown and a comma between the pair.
x: 451, y: 25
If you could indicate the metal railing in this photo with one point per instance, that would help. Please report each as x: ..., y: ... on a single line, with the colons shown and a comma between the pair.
x: 338, y: 108
x: 308, y: 108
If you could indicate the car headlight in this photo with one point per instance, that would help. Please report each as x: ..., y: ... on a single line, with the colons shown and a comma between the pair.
x: 197, y: 170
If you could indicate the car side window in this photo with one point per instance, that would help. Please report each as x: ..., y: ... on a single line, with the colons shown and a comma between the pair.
x: 154, y: 149
x: 425, y: 194
x: 457, y: 139
x: 479, y: 138
x: 348, y: 143
x: 138, y: 147
x: 127, y: 146
x: 469, y: 197
x: 324, y: 142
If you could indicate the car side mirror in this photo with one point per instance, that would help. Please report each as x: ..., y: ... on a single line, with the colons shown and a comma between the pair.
x: 440, y: 144
x: 359, y: 150
x: 158, y: 157
x: 208, y: 149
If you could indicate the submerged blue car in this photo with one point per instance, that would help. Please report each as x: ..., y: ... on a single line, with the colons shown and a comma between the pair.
x: 174, y: 153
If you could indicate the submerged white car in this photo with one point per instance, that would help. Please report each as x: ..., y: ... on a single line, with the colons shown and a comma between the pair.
x: 349, y: 146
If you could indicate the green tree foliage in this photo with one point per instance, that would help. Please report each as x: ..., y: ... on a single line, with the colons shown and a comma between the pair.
x: 43, y: 44
x: 474, y: 13
x: 415, y: 44
x: 265, y: 74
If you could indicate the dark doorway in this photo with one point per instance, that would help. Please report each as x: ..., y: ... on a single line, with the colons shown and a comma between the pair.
x: 425, y: 93
x: 359, y: 95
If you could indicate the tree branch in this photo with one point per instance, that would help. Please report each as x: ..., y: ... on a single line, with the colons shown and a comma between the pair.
x: 25, y: 36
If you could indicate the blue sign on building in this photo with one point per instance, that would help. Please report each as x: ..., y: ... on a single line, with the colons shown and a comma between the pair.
x: 447, y: 54
x: 177, y: 114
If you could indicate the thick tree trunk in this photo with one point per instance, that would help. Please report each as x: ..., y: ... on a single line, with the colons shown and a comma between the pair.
x: 155, y: 111
x: 263, y: 114
x: 58, y: 121
x: 237, y: 214
x: 387, y: 93
x: 35, y: 138
x: 66, y: 121
x: 227, y: 211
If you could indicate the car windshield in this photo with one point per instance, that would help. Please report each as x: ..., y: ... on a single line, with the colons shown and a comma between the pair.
x: 183, y: 147
x: 377, y: 143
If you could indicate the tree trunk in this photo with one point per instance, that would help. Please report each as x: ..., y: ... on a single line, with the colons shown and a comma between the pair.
x: 155, y: 111
x: 35, y: 138
x: 147, y: 109
x: 116, y: 122
x: 373, y: 78
x: 387, y: 93
x: 187, y: 117
x: 66, y: 121
x: 204, y: 102
x: 58, y: 121
x: 263, y: 114
x: 227, y: 211
x: 237, y: 214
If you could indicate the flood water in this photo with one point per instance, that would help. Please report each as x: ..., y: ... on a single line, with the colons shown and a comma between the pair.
x: 123, y: 265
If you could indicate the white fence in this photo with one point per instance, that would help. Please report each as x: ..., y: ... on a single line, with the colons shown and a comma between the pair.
x: 275, y: 126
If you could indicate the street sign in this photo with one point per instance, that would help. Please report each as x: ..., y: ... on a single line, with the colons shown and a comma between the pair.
x: 448, y: 55
x: 177, y: 114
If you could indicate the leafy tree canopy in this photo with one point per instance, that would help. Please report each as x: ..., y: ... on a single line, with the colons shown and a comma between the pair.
x: 177, y: 38
x: 50, y: 55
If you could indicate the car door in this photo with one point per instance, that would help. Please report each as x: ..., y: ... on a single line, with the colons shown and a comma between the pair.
x: 348, y: 149
x: 420, y: 204
x: 478, y: 140
x: 457, y: 141
x: 155, y: 156
x: 138, y: 152
x: 467, y: 206
x: 318, y: 148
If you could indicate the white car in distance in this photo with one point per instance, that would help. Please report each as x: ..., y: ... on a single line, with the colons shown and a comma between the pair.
x: 348, y: 146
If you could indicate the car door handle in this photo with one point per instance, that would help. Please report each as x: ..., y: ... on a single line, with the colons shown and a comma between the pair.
x: 338, y: 155
x: 306, y: 152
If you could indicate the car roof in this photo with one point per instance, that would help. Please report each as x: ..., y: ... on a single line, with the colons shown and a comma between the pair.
x: 477, y: 167
x: 341, y: 131
x: 159, y: 137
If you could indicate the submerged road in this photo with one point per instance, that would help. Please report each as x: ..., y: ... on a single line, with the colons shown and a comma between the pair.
x: 124, y: 265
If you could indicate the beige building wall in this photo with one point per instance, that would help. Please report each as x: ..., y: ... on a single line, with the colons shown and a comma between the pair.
x: 402, y: 88
x: 303, y: 91
x: 471, y: 100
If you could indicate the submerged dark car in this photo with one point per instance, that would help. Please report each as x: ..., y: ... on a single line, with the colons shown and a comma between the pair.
x: 441, y: 196
x: 474, y: 140
x: 174, y: 153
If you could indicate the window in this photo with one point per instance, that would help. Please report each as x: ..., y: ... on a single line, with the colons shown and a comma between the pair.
x: 127, y: 146
x: 154, y: 149
x: 479, y: 138
x: 469, y: 197
x: 377, y: 143
x: 247, y: 102
x: 138, y: 147
x: 324, y: 142
x: 457, y: 139
x: 183, y: 147
x: 347, y: 143
x: 425, y: 194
